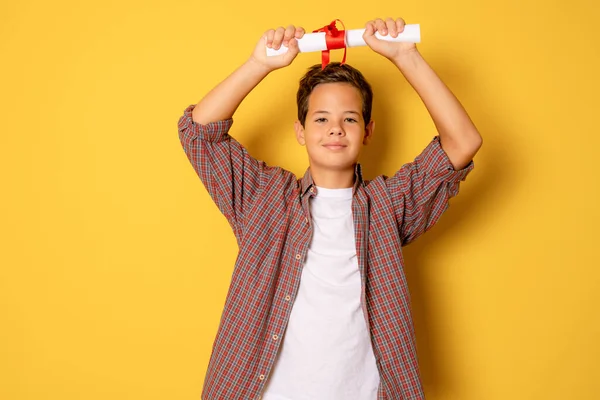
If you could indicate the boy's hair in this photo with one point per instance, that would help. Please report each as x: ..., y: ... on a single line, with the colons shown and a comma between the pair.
x: 334, y: 72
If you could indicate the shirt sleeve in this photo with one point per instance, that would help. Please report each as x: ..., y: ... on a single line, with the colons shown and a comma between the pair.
x: 231, y: 176
x: 421, y: 190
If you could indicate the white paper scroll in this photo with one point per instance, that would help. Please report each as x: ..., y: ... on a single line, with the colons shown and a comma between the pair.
x: 354, y: 38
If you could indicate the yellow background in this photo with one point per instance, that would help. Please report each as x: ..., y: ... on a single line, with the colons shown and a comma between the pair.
x: 115, y: 263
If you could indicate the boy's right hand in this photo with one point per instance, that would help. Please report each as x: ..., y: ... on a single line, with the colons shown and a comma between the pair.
x: 274, y: 38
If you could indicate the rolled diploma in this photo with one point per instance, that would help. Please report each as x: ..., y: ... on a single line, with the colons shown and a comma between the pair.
x: 354, y: 38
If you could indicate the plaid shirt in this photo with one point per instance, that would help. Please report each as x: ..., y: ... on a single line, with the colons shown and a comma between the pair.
x: 268, y: 209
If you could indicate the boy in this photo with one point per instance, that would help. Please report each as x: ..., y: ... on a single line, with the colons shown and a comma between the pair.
x: 318, y: 306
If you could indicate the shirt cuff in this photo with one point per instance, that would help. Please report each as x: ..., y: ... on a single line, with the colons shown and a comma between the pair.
x: 212, y: 132
x: 437, y: 162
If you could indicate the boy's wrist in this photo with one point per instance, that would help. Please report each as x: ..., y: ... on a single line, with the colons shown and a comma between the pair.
x: 257, y: 68
x: 407, y: 59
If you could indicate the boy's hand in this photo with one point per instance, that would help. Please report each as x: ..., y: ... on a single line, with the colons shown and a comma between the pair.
x: 274, y: 38
x: 390, y: 50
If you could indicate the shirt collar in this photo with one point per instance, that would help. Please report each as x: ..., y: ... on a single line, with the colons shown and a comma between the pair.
x: 306, y: 183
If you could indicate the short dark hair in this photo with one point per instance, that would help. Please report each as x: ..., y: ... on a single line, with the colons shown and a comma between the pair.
x: 334, y: 72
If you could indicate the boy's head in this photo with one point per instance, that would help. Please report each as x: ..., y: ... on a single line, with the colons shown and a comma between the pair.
x: 334, y: 72
x: 334, y: 115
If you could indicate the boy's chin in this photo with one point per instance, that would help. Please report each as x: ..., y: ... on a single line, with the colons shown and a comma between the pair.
x: 334, y: 166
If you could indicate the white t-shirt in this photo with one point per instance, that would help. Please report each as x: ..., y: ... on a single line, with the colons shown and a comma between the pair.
x: 326, y: 353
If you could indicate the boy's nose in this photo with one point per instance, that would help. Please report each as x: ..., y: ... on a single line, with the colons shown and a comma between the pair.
x: 336, y: 131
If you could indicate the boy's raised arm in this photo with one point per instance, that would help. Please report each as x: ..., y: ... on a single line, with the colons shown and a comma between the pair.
x: 458, y: 135
x: 221, y: 102
x: 230, y: 174
x: 421, y: 189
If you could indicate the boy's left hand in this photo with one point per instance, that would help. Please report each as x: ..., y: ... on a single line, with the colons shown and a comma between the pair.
x: 390, y: 50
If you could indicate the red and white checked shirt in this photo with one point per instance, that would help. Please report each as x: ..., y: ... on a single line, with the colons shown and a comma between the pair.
x: 268, y: 209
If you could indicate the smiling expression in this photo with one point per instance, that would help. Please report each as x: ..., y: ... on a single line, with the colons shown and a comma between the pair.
x: 334, y: 130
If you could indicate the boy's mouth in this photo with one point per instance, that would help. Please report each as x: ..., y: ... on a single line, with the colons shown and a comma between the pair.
x: 334, y: 146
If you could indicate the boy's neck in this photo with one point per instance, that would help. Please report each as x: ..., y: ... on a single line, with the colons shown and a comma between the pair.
x: 332, y: 179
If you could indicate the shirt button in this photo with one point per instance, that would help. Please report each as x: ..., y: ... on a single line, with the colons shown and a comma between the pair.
x: 298, y: 256
x: 275, y: 337
x: 262, y: 377
x: 312, y: 190
x: 287, y: 298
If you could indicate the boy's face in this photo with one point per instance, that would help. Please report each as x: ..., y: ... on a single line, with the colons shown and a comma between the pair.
x: 334, y: 130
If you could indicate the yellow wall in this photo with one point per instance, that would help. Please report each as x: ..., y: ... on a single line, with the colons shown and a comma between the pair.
x: 115, y: 263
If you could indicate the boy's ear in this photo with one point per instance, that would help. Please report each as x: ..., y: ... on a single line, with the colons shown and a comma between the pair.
x: 369, y: 129
x: 299, y: 132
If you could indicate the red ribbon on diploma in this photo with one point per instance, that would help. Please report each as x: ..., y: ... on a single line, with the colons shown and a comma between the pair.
x: 334, y: 39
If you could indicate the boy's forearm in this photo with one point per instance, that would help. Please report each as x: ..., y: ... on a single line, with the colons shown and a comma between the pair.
x: 458, y: 135
x: 222, y: 101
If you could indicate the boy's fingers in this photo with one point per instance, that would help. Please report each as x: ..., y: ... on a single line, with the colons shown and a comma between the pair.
x: 269, y: 35
x: 299, y: 32
x: 289, y: 33
x: 391, y: 27
x: 369, y: 35
x: 400, y: 24
x: 278, y: 37
x: 380, y: 25
x: 293, y: 45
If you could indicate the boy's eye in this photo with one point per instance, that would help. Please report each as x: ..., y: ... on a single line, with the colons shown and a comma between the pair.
x: 352, y: 120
